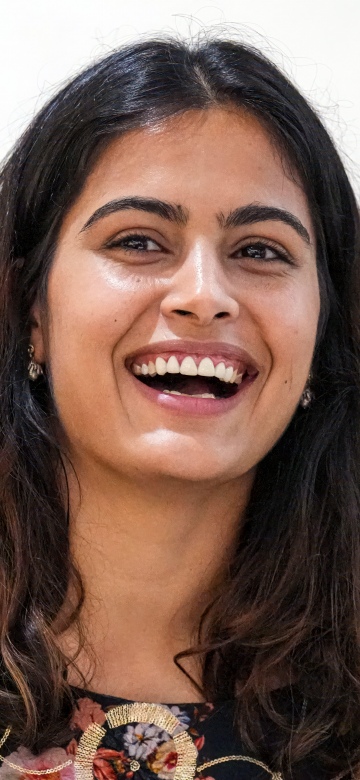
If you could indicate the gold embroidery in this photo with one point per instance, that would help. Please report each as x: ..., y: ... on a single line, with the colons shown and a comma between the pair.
x: 160, y: 716
x: 155, y: 714
x: 186, y: 757
x: 138, y: 713
x: 85, y: 754
x: 273, y: 775
x: 142, y: 713
x: 5, y: 736
x: 23, y: 769
x: 134, y: 766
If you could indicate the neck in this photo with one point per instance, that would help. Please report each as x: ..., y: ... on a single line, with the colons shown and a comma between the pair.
x: 151, y: 554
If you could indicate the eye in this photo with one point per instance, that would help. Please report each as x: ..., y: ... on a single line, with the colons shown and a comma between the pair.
x: 258, y: 250
x: 135, y: 242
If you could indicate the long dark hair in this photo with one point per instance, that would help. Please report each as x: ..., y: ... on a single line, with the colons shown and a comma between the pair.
x: 290, y: 609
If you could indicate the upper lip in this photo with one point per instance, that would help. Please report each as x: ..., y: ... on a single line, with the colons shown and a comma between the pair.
x: 212, y: 349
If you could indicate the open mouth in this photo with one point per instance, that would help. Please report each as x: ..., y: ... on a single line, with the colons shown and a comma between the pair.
x: 191, y: 375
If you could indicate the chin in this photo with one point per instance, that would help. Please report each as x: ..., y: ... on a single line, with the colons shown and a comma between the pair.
x: 188, y: 461
x: 194, y: 472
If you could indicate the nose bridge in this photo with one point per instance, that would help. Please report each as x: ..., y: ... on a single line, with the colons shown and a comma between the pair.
x: 200, y: 286
x: 202, y: 266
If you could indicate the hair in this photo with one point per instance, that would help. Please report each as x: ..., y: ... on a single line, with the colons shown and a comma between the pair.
x: 289, y: 610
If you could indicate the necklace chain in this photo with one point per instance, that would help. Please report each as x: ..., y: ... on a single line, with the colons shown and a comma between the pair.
x: 223, y: 759
x: 25, y: 770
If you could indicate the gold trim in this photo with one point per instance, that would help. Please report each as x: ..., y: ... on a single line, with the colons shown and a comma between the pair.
x: 143, y: 713
x: 273, y: 775
x: 24, y: 769
x: 137, y: 713
x: 86, y: 750
x: 5, y: 736
x: 134, y: 766
x: 186, y: 757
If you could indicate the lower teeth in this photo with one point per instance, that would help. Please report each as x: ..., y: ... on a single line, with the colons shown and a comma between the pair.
x: 189, y: 395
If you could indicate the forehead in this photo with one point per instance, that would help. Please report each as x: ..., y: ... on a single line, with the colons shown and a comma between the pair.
x: 207, y: 161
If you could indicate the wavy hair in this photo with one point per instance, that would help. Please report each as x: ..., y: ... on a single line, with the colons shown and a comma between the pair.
x: 290, y: 608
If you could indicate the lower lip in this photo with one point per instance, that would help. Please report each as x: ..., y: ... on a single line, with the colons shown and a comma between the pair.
x: 189, y: 405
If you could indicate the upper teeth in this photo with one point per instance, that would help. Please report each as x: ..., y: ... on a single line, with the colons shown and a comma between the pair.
x: 188, y: 367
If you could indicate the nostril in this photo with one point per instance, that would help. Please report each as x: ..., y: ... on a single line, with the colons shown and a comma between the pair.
x: 186, y: 313
x: 183, y: 312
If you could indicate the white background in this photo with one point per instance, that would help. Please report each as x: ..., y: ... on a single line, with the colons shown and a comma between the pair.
x: 44, y: 42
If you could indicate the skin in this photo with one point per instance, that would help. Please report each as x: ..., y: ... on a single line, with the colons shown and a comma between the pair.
x: 162, y: 494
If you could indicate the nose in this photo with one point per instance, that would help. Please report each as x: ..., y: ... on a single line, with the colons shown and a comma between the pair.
x: 200, y: 289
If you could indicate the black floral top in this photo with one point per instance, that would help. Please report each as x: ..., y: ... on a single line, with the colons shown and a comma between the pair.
x: 115, y: 739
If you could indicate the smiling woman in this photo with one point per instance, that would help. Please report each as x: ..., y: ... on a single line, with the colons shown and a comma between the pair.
x: 180, y: 455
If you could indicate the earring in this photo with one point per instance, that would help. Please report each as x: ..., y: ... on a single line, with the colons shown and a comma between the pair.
x: 307, y: 396
x: 34, y: 368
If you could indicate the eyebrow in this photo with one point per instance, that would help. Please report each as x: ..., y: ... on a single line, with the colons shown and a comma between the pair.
x: 255, y: 212
x: 169, y: 211
x: 244, y: 215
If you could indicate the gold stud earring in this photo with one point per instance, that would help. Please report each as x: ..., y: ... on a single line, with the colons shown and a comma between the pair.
x: 34, y: 369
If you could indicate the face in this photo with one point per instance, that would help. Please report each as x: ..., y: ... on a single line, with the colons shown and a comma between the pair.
x: 183, y: 302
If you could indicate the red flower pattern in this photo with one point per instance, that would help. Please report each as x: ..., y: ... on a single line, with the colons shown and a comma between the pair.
x: 86, y: 712
x: 108, y: 764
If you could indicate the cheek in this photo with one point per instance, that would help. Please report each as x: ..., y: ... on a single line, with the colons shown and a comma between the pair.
x: 97, y: 309
x: 92, y: 313
x: 289, y: 322
x: 287, y: 325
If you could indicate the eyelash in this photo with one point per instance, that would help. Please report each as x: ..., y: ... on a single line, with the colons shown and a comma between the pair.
x: 119, y: 243
x: 259, y: 245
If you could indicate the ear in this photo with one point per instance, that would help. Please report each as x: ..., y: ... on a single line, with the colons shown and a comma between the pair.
x: 37, y: 334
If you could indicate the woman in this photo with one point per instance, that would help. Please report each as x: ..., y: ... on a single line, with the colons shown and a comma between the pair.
x: 179, y: 427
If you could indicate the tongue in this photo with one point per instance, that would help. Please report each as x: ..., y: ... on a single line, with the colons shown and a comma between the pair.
x: 193, y: 386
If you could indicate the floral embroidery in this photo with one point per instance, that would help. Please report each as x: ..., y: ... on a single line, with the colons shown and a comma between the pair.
x: 145, y: 743
x: 199, y: 742
x: 163, y: 761
x: 86, y: 712
x: 137, y: 751
x: 142, y: 739
x: 72, y: 748
x: 109, y: 764
x: 49, y: 758
x: 182, y: 716
x: 202, y: 712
